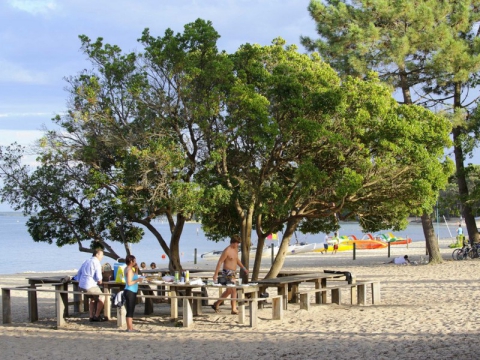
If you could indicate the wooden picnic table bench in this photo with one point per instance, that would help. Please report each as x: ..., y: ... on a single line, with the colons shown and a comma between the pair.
x: 287, y: 286
x: 358, y: 293
x: 61, y: 304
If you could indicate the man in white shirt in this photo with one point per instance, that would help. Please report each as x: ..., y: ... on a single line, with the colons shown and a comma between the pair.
x: 400, y: 261
x: 89, y: 277
x: 325, y: 244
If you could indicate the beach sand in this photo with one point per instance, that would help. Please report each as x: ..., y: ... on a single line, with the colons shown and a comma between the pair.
x: 427, y: 312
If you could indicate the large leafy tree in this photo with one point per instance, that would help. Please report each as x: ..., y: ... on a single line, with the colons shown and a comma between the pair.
x: 425, y: 49
x: 134, y: 126
x: 303, y: 147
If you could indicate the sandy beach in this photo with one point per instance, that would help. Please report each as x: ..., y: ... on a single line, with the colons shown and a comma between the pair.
x: 427, y: 311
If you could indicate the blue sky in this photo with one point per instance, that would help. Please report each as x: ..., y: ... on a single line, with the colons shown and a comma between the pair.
x: 40, y: 45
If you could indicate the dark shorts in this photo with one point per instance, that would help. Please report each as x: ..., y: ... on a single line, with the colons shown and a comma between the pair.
x: 325, y: 246
x: 227, y: 277
x: 335, y: 247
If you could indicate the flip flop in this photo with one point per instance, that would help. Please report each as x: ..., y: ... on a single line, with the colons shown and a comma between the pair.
x: 215, y: 308
x: 234, y: 312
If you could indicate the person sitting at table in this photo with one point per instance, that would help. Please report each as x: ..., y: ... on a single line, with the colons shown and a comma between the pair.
x: 143, y: 266
x: 131, y: 288
x: 89, y: 276
x: 153, y: 266
x: 230, y: 260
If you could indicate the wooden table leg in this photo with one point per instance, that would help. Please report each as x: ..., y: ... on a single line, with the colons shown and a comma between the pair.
x: 77, y: 299
x: 146, y: 290
x: 173, y: 305
x: 283, y: 290
x: 318, y: 295
x: 241, y: 306
x: 32, y: 303
x: 107, y: 306
x: 293, y: 293
x: 324, y: 293
x: 59, y: 307
x: 6, y: 307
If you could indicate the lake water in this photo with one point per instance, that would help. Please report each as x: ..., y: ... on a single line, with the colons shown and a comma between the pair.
x: 22, y: 254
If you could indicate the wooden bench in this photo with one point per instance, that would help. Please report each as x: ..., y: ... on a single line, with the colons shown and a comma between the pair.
x: 190, y: 301
x: 288, y: 286
x: 358, y: 292
x: 61, y: 299
x: 61, y: 304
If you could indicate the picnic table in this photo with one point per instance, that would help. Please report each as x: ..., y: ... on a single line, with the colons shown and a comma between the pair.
x: 164, y: 271
x: 188, y: 289
x: 288, y: 285
x: 33, y: 282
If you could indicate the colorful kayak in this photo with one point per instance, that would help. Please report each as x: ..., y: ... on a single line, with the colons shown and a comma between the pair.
x: 394, y: 240
x: 368, y: 244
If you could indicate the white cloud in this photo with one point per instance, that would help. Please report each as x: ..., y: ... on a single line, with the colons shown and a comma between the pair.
x: 10, y: 72
x: 34, y: 6
x: 41, y: 114
x: 22, y: 137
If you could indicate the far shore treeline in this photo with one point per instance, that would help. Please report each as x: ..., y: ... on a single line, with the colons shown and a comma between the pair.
x: 260, y: 141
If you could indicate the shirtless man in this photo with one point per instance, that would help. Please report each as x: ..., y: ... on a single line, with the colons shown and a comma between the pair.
x: 230, y: 260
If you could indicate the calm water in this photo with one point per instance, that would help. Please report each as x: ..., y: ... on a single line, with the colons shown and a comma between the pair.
x: 22, y: 254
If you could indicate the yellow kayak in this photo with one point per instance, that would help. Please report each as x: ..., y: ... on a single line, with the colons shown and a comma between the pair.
x: 341, y: 247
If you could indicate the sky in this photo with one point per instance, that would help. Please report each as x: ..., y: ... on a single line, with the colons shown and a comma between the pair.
x: 40, y: 46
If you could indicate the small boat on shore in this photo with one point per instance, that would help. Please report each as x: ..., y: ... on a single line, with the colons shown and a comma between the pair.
x: 303, y: 248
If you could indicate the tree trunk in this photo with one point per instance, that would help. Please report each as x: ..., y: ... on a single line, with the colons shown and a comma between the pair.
x: 258, y: 257
x: 467, y: 212
x: 246, y: 235
x: 282, y: 251
x: 430, y: 240
x: 174, y: 263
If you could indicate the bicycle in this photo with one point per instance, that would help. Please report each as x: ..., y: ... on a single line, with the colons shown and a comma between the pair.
x: 461, y: 254
x: 474, y: 251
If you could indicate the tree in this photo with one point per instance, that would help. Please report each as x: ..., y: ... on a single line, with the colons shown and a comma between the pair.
x: 303, y: 147
x: 133, y: 126
x: 407, y: 42
x: 61, y: 203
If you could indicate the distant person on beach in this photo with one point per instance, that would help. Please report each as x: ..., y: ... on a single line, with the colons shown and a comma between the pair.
x: 143, y: 266
x: 153, y: 265
x: 400, y: 261
x: 89, y: 277
x: 229, y: 259
x: 325, y: 244
x: 459, y: 230
x: 335, y: 243
x: 131, y: 289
